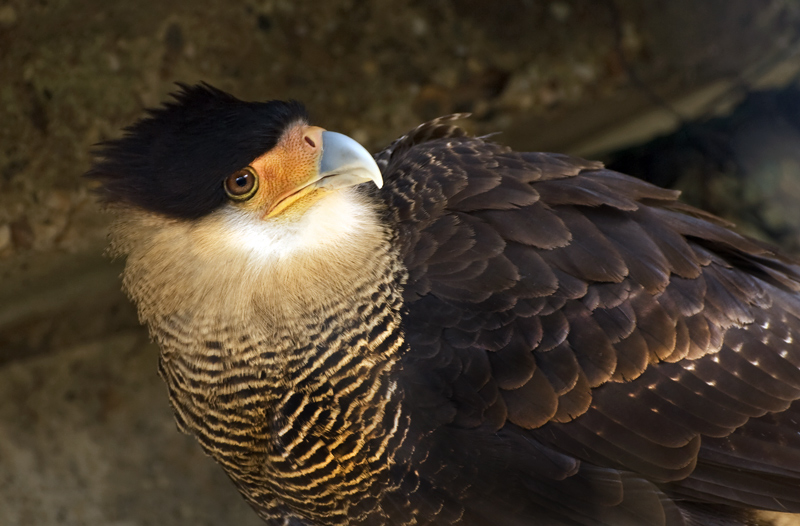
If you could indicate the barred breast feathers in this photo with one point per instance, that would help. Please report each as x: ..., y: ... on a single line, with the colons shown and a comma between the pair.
x: 281, y: 394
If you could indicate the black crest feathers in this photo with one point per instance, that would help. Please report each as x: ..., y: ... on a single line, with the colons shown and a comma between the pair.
x: 174, y: 160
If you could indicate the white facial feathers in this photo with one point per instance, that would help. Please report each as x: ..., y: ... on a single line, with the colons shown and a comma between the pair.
x: 335, y: 222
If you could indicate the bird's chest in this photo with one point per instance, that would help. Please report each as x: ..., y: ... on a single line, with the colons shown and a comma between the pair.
x: 304, y: 428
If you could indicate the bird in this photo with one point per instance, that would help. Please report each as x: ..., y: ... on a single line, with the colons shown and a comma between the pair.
x: 451, y: 332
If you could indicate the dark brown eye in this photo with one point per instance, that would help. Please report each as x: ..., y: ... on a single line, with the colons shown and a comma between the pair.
x: 241, y: 185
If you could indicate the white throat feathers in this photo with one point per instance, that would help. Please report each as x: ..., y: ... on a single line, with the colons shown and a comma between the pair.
x: 230, y: 266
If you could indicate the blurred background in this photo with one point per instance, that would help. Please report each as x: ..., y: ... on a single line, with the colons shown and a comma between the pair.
x: 696, y: 94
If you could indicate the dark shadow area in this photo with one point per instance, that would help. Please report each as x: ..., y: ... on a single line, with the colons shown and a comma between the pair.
x: 744, y: 166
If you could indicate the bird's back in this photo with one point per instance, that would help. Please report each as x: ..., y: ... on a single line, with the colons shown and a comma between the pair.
x: 592, y: 351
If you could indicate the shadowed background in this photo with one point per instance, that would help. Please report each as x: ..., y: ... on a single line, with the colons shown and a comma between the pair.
x: 698, y: 94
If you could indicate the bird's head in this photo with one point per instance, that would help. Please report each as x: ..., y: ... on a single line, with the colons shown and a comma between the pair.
x: 214, y: 189
x: 207, y: 150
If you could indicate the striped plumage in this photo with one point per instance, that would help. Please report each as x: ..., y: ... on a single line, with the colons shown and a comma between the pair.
x: 295, y: 428
x: 492, y: 338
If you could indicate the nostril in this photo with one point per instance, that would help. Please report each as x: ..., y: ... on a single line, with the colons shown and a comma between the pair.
x: 310, y: 141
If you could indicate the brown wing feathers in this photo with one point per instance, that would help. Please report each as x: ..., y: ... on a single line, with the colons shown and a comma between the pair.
x: 592, y: 309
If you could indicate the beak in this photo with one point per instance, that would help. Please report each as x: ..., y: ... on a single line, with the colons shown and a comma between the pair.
x: 344, y: 163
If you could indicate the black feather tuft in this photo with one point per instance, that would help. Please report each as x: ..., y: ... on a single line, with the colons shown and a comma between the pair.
x: 175, y: 160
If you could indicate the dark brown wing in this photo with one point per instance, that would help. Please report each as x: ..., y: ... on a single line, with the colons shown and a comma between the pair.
x: 592, y: 313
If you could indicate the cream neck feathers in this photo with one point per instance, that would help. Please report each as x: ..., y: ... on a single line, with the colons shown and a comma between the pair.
x: 231, y: 265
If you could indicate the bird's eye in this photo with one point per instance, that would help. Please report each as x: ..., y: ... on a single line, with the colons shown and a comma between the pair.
x: 241, y: 185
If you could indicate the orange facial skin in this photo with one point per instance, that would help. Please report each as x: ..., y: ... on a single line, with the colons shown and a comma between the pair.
x: 285, y: 173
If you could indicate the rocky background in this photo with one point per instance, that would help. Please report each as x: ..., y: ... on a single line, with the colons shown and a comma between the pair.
x: 86, y: 435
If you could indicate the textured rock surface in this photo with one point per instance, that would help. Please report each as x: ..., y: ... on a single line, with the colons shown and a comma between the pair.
x: 75, y: 453
x: 86, y: 437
